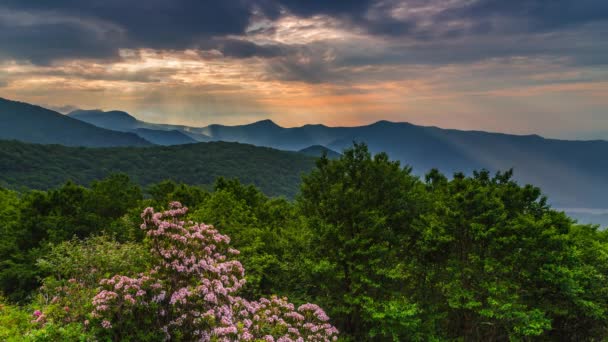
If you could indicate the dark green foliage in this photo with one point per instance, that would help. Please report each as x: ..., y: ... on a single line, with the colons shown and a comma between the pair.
x: 55, y: 216
x: 268, y: 232
x: 114, y: 196
x: 167, y: 191
x: 361, y: 209
x: 475, y: 258
x: 276, y: 173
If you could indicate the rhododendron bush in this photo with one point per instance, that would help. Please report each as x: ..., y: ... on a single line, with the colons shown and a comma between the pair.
x: 191, y: 293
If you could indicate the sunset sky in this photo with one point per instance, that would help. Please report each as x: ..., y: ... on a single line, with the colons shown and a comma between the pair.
x: 517, y: 66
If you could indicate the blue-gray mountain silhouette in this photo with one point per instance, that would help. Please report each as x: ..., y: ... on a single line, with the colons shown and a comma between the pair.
x: 160, y: 134
x: 166, y: 138
x: 29, y: 123
x: 318, y: 151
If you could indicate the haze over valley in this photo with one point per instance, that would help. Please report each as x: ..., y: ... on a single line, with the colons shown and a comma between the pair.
x: 569, y: 171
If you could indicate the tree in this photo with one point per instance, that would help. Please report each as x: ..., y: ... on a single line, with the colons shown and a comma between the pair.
x: 113, y: 196
x: 266, y: 231
x: 361, y: 209
x: 497, y: 263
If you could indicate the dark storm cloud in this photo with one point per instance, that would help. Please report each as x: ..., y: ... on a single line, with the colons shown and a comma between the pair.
x: 50, y: 30
x: 354, y: 8
x: 539, y: 15
x: 153, y: 23
x: 45, y: 42
x: 290, y: 68
x: 581, y: 48
x: 354, y: 13
x: 245, y: 49
x: 529, y: 16
x: 42, y: 31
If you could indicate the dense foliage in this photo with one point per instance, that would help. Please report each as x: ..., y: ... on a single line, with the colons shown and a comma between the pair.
x: 389, y: 256
x: 43, y: 167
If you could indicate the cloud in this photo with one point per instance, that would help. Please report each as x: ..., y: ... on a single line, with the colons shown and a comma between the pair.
x: 50, y: 30
x: 432, y: 61
x: 154, y: 24
x: 239, y: 48
x: 44, y: 31
x: 535, y: 15
x: 354, y: 8
x: 44, y: 37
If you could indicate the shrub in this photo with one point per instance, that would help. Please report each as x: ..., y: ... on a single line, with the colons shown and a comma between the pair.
x: 190, y: 293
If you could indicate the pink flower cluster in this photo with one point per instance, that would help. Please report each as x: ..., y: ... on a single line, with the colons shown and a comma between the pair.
x: 125, y: 294
x: 308, y: 323
x: 39, y: 317
x: 192, y: 291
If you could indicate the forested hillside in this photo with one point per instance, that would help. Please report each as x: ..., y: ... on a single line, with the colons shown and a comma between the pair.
x: 276, y: 173
x: 387, y: 256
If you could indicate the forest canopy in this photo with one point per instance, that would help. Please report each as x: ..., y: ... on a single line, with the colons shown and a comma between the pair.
x: 388, y: 256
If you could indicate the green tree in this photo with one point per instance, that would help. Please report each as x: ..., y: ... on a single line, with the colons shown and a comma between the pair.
x: 114, y: 196
x: 268, y: 232
x: 361, y: 209
x: 497, y: 263
x: 169, y: 191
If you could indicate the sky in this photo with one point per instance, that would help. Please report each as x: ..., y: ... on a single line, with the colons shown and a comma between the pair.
x: 514, y: 66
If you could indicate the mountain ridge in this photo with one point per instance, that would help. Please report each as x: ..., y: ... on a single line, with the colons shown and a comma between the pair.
x: 165, y: 138
x: 270, y: 122
x: 30, y: 123
x: 565, y: 169
x: 572, y: 172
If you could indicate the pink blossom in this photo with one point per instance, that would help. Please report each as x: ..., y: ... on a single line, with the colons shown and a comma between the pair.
x: 195, y: 265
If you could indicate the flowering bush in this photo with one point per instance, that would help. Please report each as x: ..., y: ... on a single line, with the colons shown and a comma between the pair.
x: 63, y: 301
x: 191, y: 293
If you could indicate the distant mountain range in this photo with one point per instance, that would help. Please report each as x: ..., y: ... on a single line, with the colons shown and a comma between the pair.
x: 26, y: 122
x: 572, y: 173
x: 158, y: 134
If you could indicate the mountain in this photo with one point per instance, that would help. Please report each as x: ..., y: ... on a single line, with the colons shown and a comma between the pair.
x: 29, y: 123
x: 165, y: 138
x: 123, y: 122
x: 114, y: 120
x: 572, y: 173
x: 318, y: 151
x: 276, y: 173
